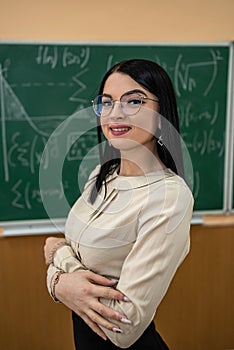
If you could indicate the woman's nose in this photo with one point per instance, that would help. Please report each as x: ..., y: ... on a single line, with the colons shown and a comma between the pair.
x: 117, y: 110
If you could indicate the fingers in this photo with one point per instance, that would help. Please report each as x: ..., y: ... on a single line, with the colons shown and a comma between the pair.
x: 79, y: 293
x: 102, y: 322
x: 109, y: 293
x: 103, y: 281
x: 108, y: 313
x: 105, y: 289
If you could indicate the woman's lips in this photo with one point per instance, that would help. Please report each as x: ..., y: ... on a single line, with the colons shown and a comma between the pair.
x: 119, y: 130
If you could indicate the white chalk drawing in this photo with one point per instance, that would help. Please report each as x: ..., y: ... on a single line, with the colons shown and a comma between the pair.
x: 82, y: 87
x: 25, y: 151
x: 184, y: 75
x: 65, y: 57
x: 188, y: 116
x: 26, y: 196
x: 19, y: 152
x: 185, y: 79
x: 13, y: 110
x: 77, y: 151
x: 204, y: 142
x: 196, y: 184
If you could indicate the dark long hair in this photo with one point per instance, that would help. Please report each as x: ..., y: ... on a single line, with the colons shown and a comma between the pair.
x: 153, y: 78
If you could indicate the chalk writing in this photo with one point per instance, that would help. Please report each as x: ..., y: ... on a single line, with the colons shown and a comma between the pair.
x: 53, y: 56
x: 204, y: 142
x: 185, y: 77
x: 26, y: 154
x: 70, y: 58
x: 47, y: 55
x: 189, y: 116
x: 82, y: 87
x: 57, y: 81
x: 77, y: 145
x: 25, y: 195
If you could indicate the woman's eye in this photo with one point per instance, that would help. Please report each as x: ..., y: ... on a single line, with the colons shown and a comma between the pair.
x: 134, y: 101
x: 106, y: 103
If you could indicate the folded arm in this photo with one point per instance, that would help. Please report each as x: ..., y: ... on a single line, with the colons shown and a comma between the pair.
x: 80, y: 289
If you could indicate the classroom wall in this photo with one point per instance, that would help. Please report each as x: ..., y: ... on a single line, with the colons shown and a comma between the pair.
x: 123, y: 20
x: 198, y: 310
x: 197, y: 313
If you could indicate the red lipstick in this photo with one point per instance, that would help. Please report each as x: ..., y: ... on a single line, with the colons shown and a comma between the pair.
x: 119, y: 130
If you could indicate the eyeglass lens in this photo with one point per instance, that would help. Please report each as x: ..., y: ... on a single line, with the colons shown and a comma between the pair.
x: 130, y: 104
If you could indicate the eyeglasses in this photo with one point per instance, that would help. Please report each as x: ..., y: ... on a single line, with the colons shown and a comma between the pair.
x: 130, y: 103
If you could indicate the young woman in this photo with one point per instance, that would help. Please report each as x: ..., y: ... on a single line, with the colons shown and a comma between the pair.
x: 129, y: 231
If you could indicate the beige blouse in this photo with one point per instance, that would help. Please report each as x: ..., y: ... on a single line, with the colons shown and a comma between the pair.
x: 139, y: 235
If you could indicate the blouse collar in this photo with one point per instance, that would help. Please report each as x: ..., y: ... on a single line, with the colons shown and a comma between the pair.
x: 119, y: 182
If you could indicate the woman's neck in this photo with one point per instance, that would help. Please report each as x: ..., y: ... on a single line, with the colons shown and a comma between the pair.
x: 140, y: 164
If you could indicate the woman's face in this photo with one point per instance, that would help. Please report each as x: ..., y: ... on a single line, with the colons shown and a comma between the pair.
x: 130, y: 131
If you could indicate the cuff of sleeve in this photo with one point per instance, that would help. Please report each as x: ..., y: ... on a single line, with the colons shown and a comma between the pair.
x: 66, y: 260
x: 52, y: 270
x: 50, y: 273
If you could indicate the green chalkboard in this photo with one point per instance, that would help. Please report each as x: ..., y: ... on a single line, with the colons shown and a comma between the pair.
x: 43, y: 84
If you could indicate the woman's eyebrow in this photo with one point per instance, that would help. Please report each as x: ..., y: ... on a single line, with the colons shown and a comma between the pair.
x: 106, y: 95
x: 138, y: 91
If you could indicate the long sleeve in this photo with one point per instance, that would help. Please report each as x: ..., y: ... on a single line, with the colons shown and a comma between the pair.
x: 65, y: 260
x: 162, y: 244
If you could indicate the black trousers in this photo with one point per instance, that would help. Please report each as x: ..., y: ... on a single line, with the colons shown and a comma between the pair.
x: 86, y: 339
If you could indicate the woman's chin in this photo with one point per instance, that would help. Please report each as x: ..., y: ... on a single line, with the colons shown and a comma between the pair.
x: 124, y: 144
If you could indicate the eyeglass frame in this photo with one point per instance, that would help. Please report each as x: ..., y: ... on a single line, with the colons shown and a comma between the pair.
x: 136, y: 91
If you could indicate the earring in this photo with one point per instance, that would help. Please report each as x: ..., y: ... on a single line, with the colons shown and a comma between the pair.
x: 109, y: 143
x: 160, y: 140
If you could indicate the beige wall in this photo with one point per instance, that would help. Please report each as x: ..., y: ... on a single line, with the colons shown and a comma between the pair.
x: 122, y: 20
x: 198, y: 311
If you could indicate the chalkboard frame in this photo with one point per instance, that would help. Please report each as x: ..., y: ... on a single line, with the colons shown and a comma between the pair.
x: 45, y: 225
x: 230, y: 183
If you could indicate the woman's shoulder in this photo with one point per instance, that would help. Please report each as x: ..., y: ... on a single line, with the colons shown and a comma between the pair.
x: 172, y: 188
x: 174, y: 181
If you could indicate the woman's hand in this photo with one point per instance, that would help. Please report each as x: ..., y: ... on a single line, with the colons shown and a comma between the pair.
x: 49, y: 245
x: 80, y: 291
